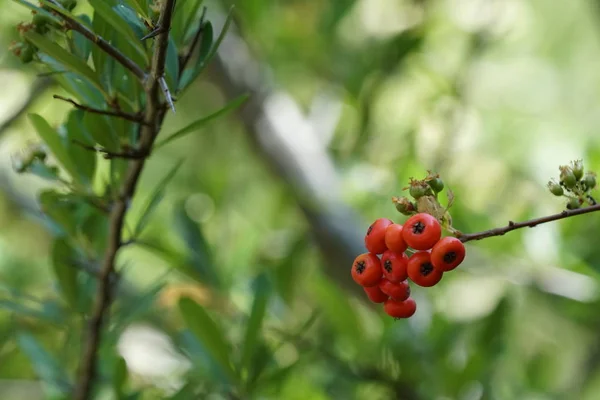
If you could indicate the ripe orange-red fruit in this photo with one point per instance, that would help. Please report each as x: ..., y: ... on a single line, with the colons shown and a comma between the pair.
x: 395, y: 290
x: 375, y: 237
x: 421, y: 231
x: 448, y: 253
x: 394, y: 266
x: 400, y: 309
x: 393, y: 238
x: 375, y: 294
x: 366, y: 270
x: 421, y: 271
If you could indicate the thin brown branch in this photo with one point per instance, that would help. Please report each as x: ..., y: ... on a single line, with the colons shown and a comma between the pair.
x: 131, y: 155
x: 118, y: 114
x: 102, y: 44
x: 526, y: 224
x: 185, y: 59
x: 153, y: 117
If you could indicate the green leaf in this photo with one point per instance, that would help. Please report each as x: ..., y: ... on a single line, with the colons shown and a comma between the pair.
x: 172, y: 64
x: 254, y: 324
x: 69, y: 60
x: 120, y: 377
x: 209, y: 334
x: 194, y: 126
x: 82, y: 46
x: 140, y: 306
x: 46, y: 315
x: 154, y: 200
x: 220, y: 38
x: 63, y: 257
x: 101, y: 129
x: 139, y: 6
x: 47, y: 368
x: 191, y: 73
x: 38, y: 10
x: 84, y: 159
x: 119, y: 25
x: 185, y: 13
x: 60, y: 211
x: 200, y: 256
x: 55, y: 143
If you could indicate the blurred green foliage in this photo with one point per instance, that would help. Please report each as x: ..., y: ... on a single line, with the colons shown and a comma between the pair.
x: 227, y: 294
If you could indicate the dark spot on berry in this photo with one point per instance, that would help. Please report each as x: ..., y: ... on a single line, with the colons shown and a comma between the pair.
x: 388, y: 266
x: 369, y: 230
x: 360, y: 267
x: 449, y: 257
x: 419, y: 227
x: 426, y: 268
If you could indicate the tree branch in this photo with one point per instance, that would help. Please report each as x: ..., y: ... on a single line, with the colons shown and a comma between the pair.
x: 102, y: 44
x: 153, y: 117
x: 525, y: 224
x: 118, y: 114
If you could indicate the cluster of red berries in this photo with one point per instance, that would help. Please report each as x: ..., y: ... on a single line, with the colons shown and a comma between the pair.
x: 415, y: 251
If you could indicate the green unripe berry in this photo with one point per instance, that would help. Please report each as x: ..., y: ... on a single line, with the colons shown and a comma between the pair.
x: 417, y: 191
x: 436, y: 184
x: 68, y: 4
x: 27, y: 53
x: 404, y: 205
x: 567, y: 177
x: 573, y: 204
x: 555, y: 188
x: 589, y: 181
x: 577, y: 168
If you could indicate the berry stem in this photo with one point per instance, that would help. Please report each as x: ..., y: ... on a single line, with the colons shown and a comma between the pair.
x: 467, y: 237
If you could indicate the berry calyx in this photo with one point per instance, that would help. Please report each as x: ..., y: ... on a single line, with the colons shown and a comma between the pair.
x: 395, y: 290
x: 448, y: 253
x: 375, y: 294
x: 421, y: 231
x: 393, y: 238
x: 555, y: 188
x: 394, y: 266
x: 375, y: 237
x: 400, y: 309
x: 421, y: 271
x: 366, y: 270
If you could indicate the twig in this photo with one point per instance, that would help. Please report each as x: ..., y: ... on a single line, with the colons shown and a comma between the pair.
x: 118, y: 114
x: 530, y: 223
x: 183, y: 62
x: 153, y: 117
x: 130, y: 155
x: 102, y: 44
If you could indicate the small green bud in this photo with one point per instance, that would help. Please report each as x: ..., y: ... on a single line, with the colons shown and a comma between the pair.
x: 577, y: 167
x: 555, y: 188
x: 573, y: 204
x: 403, y: 205
x: 567, y: 177
x: 68, y: 4
x: 437, y: 184
x: 590, y: 181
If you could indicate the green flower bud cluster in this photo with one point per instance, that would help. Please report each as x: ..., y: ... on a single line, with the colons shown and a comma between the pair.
x: 575, y: 184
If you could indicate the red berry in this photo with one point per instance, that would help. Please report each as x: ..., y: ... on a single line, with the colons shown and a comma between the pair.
x: 421, y: 271
x: 375, y: 237
x: 448, y: 253
x: 397, y: 291
x: 375, y: 294
x: 366, y: 270
x: 400, y: 309
x: 394, y: 266
x: 393, y: 238
x: 421, y: 231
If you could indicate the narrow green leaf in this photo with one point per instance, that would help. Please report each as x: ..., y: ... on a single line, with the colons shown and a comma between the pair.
x: 60, y: 212
x: 220, y: 38
x: 62, y: 11
x: 101, y: 129
x: 172, y: 64
x: 254, y: 324
x: 185, y: 13
x: 209, y: 334
x: 77, y: 134
x: 55, y: 143
x: 139, y: 6
x: 199, y: 257
x: 154, y: 200
x: 69, y: 60
x: 191, y: 73
x: 38, y: 10
x: 47, y: 368
x: 83, y: 47
x: 142, y: 304
x: 119, y: 25
x: 22, y: 310
x: 120, y: 377
x: 66, y: 272
x: 203, y: 121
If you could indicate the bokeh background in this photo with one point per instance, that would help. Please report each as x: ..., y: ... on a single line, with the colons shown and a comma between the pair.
x: 348, y: 100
